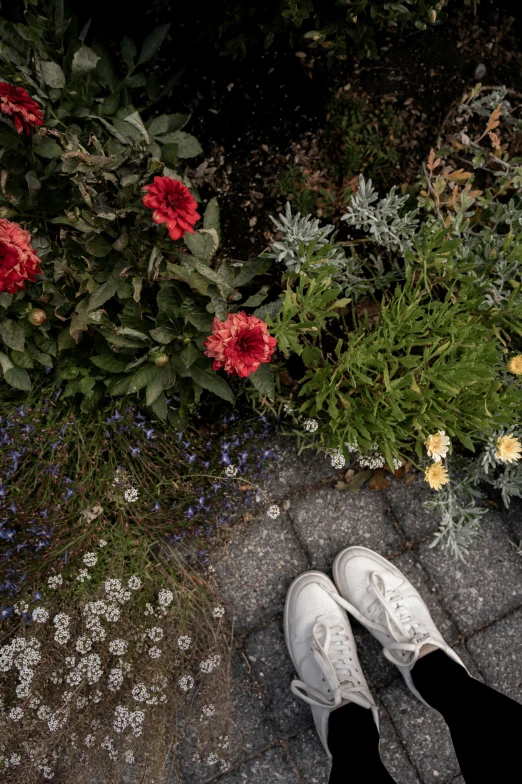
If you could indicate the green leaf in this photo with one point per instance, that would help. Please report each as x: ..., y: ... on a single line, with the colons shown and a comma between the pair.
x: 46, y: 147
x: 163, y: 335
x: 135, y: 120
x: 263, y: 380
x: 52, y: 74
x: 154, y: 387
x: 8, y: 137
x: 250, y: 269
x: 159, y: 406
x: 45, y: 342
x: 128, y: 51
x: 188, y: 145
x: 5, y: 362
x: 311, y: 356
x: 86, y: 384
x: 23, y: 359
x: 271, y: 309
x: 109, y: 363
x: 466, y: 441
x: 18, y: 378
x: 144, y: 376
x: 208, y: 379
x: 189, y: 355
x: 133, y: 333
x: 104, y: 292
x: 256, y: 299
x: 65, y: 340
x: 84, y: 60
x: 358, y: 481
x: 167, y: 123
x: 12, y: 334
x: 121, y: 341
x: 97, y: 246
x: 201, y: 321
x: 152, y: 43
x: 5, y: 298
x: 211, y: 218
x: 201, y: 245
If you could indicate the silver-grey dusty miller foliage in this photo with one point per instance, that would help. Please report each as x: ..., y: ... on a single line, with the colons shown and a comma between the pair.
x: 298, y: 232
x: 382, y: 220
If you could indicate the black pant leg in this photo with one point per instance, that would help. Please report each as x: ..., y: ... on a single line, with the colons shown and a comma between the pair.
x: 353, y: 740
x: 485, y: 725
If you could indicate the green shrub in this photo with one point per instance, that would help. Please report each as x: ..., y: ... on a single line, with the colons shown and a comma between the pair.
x: 126, y: 308
x: 413, y: 333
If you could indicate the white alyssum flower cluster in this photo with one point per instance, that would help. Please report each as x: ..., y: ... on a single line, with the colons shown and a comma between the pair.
x: 273, y: 511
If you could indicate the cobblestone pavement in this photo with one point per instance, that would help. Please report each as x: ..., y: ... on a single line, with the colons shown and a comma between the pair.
x: 478, y: 608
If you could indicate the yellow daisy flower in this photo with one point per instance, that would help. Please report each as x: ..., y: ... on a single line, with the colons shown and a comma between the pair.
x: 437, y: 445
x: 509, y: 449
x: 515, y: 365
x: 436, y: 475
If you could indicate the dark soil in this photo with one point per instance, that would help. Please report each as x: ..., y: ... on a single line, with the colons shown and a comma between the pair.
x: 254, y: 116
x: 248, y: 114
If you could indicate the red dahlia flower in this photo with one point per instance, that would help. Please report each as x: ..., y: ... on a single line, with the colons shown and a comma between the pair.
x: 18, y: 104
x: 18, y: 261
x: 239, y: 344
x: 173, y: 204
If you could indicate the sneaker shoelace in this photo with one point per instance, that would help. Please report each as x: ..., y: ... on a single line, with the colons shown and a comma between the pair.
x: 397, y: 622
x: 333, y: 653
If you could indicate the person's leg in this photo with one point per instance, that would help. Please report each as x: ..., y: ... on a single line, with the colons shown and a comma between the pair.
x: 485, y: 725
x: 353, y: 728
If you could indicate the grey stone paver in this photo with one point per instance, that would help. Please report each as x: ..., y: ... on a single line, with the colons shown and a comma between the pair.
x: 424, y: 733
x: 327, y: 520
x: 270, y: 766
x: 406, y: 502
x: 257, y: 569
x: 310, y: 757
x: 476, y: 605
x: 498, y: 652
x: 267, y: 653
x: 487, y: 586
x: 393, y: 753
x: 251, y: 727
x: 294, y: 472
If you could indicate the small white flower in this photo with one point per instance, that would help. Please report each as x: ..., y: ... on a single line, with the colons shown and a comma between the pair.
x: 62, y: 636
x: 210, y: 664
x: 83, y: 644
x: 131, y: 494
x: 165, y: 597
x: 352, y: 446
x: 102, y: 543
x: 43, y: 712
x: 23, y: 690
x: 288, y: 408
x: 61, y: 620
x: 90, y: 559
x: 15, y: 714
x: 81, y: 702
x: 83, y: 575
x: 15, y: 759
x: 212, y: 758
x: 273, y: 511
x: 208, y: 710
x: 140, y: 692
x: 115, y: 679
x: 155, y: 634
x: 231, y: 470
x: 112, y: 613
x: 129, y: 756
x: 55, y: 580
x: 337, y: 459
x: 310, y: 425
x: 184, y: 642
x: 90, y: 740
x: 118, y: 647
x: 186, y: 682
x: 154, y: 652
x: 218, y: 612
x: 40, y: 615
x: 70, y: 661
x: 134, y: 583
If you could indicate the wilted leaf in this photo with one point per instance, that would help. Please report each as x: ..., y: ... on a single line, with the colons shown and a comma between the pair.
x: 378, y: 482
x: 84, y: 60
x: 359, y: 480
x: 52, y: 74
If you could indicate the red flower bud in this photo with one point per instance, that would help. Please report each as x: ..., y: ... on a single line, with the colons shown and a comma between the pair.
x: 37, y: 317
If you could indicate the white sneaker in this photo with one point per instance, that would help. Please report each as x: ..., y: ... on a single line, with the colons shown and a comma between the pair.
x: 381, y: 598
x: 322, y: 648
